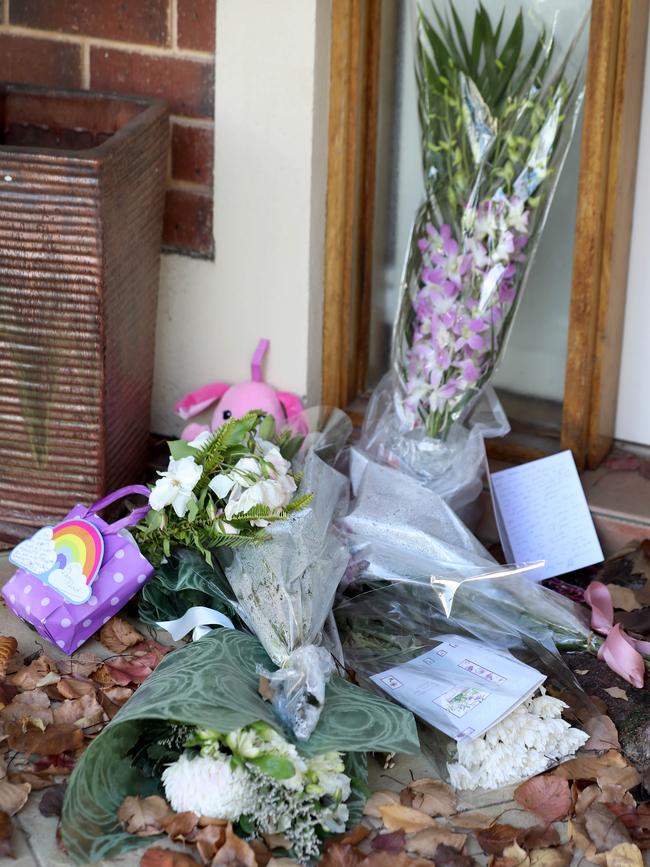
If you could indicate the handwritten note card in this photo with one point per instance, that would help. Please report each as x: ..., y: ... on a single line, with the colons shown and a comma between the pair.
x: 542, y: 514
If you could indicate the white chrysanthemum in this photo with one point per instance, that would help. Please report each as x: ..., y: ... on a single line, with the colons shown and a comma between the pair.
x: 209, y: 786
x: 520, y: 746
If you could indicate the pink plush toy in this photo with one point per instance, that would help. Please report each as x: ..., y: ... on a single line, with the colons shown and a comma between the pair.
x: 236, y: 400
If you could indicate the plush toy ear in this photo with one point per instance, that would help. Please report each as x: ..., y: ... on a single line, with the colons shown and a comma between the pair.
x: 196, y: 401
x: 291, y: 404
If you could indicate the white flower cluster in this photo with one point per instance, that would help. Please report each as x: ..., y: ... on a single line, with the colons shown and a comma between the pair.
x: 529, y: 740
x: 208, y: 786
x: 264, y: 778
x: 261, y: 479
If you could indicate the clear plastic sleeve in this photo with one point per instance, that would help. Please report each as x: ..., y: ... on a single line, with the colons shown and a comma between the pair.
x: 499, y: 93
x: 285, y: 587
x: 393, y: 623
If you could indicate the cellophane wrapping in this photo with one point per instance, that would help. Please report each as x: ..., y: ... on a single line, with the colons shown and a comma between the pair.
x: 500, y: 86
x: 285, y: 587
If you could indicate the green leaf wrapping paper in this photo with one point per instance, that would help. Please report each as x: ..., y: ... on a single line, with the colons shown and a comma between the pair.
x: 211, y: 683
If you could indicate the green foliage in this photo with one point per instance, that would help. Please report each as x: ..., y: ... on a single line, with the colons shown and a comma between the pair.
x: 482, y: 101
x: 202, y: 527
x: 278, y: 767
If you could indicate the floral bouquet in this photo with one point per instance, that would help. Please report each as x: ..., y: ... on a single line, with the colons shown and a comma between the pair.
x: 281, y: 590
x: 497, y: 109
x: 408, y: 623
x: 199, y: 734
x: 222, y: 489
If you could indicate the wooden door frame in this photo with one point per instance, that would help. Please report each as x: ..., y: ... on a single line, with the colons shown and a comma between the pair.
x: 612, y: 108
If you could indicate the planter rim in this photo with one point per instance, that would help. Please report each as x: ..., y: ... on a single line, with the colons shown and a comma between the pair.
x: 153, y: 108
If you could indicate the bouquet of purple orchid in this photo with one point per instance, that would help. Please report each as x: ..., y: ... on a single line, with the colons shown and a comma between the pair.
x: 497, y: 110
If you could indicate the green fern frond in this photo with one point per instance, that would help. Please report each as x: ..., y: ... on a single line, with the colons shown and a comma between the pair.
x: 299, y: 503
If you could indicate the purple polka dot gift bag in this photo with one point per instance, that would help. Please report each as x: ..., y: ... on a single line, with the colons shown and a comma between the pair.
x: 73, y: 577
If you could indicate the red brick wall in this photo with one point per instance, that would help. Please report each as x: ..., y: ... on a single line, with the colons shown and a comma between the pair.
x: 145, y: 47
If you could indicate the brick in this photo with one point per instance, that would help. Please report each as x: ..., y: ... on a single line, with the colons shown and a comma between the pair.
x: 196, y: 24
x: 192, y: 154
x: 187, y: 225
x: 24, y: 60
x: 140, y: 21
x: 186, y: 85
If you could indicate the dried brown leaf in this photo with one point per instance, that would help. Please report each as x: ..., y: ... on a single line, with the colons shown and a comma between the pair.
x: 51, y: 803
x: 341, y: 855
x: 472, y: 820
x: 624, y: 598
x: 29, y: 676
x: 158, y: 857
x: 513, y: 856
x: 624, y: 855
x: 546, y: 796
x: 385, y: 859
x: 143, y: 816
x: 112, y: 698
x: 82, y: 712
x: 29, y: 708
x: 393, y: 841
x: 354, y: 836
x: 81, y: 665
x: 118, y: 635
x: 208, y: 840
x: 493, y: 840
x: 447, y: 856
x: 602, y: 732
x: 8, y: 646
x: 538, y: 837
x: 559, y: 856
x: 235, y: 852
x: 36, y: 781
x: 379, y: 799
x: 13, y: 796
x: 433, y: 797
x: 396, y: 817
x: 426, y: 842
x: 179, y: 826
x: 123, y: 671
x: 73, y: 687
x: 6, y: 833
x: 611, y: 767
x: 616, y: 692
x: 604, y: 828
x: 54, y: 740
x: 262, y: 852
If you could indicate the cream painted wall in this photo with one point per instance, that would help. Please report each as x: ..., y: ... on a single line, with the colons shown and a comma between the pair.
x: 271, y: 109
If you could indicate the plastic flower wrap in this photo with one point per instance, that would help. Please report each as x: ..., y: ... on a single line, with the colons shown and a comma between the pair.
x: 498, y: 101
x: 285, y: 588
x: 396, y: 624
x: 222, y: 489
x: 199, y: 732
x: 254, y: 774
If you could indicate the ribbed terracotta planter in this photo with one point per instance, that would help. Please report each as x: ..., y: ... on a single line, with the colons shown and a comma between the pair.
x: 81, y: 197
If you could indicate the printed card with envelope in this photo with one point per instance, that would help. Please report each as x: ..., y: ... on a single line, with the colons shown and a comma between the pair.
x: 73, y: 577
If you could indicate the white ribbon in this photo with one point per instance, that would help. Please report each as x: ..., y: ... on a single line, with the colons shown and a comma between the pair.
x: 199, y: 619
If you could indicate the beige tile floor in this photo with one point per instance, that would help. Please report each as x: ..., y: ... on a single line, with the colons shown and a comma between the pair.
x: 34, y: 839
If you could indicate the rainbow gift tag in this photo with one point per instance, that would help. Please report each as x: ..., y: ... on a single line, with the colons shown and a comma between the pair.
x: 66, y: 557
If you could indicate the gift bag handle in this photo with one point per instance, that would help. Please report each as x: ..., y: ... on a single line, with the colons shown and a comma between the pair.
x: 133, y: 517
